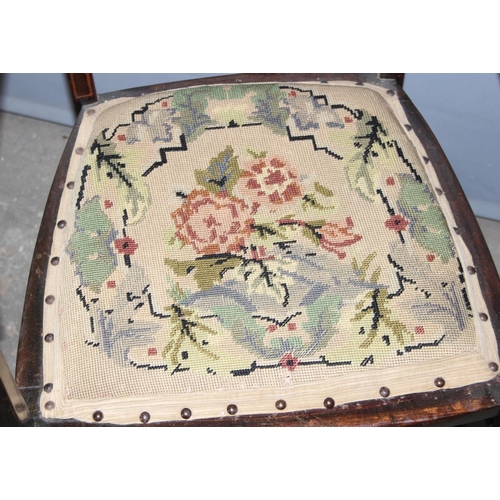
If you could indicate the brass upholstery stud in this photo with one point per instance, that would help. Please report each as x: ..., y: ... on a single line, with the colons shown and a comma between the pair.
x: 439, y: 382
x: 329, y: 403
x: 483, y: 317
x: 54, y: 261
x: 384, y: 392
x: 91, y: 111
x: 426, y: 160
x: 439, y: 191
x: 186, y: 413
x: 98, y: 416
x: 471, y: 269
x: 61, y: 224
x: 48, y: 387
x: 281, y: 404
x: 70, y: 185
x: 359, y: 83
x: 407, y: 127
x: 390, y: 92
x: 144, y: 417
x: 456, y: 230
x: 232, y: 409
x: 49, y: 337
x: 79, y: 151
x: 493, y: 366
x: 49, y: 299
x: 50, y: 405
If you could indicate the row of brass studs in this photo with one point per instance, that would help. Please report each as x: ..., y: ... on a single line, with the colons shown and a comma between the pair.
x: 186, y: 413
x: 49, y: 337
x: 232, y: 409
x: 470, y: 269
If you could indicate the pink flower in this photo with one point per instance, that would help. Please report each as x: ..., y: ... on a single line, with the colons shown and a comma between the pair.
x: 335, y: 235
x: 213, y: 223
x: 126, y: 246
x: 271, y: 182
x: 289, y: 362
x: 396, y: 223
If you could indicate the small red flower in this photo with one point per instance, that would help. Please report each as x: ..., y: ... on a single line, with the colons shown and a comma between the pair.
x: 164, y: 104
x: 430, y: 257
x: 126, y: 246
x: 292, y: 93
x: 111, y: 284
x: 390, y: 181
x: 396, y: 223
x: 289, y: 362
x: 292, y: 326
x: 419, y: 330
x: 121, y: 137
x: 347, y: 119
x: 108, y: 203
x: 152, y: 351
x: 271, y: 328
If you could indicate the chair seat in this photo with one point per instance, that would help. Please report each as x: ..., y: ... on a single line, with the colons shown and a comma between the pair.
x: 245, y: 249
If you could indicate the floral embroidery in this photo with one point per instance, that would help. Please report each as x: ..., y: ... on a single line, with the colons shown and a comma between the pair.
x: 289, y: 362
x: 126, y: 246
x: 396, y: 223
x: 213, y: 224
x: 271, y: 182
x: 269, y: 258
x: 337, y: 235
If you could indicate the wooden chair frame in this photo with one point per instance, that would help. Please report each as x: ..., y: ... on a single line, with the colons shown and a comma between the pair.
x: 443, y: 407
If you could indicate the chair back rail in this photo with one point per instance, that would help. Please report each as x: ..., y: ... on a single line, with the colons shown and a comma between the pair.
x: 82, y: 89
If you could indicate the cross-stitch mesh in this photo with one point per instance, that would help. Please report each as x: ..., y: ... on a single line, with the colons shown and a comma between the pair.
x: 249, y: 236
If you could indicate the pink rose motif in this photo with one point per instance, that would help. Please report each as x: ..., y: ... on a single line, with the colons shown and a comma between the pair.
x: 335, y: 235
x: 270, y: 182
x: 213, y: 224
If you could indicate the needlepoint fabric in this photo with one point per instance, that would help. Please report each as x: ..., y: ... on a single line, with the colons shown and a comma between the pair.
x: 246, y: 243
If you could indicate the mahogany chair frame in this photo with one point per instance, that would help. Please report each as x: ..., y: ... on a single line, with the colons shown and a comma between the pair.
x: 443, y: 407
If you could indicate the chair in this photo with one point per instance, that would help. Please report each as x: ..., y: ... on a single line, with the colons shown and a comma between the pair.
x: 258, y: 250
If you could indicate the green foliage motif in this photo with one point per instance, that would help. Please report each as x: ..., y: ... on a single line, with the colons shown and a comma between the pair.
x: 90, y: 245
x: 222, y: 174
x: 428, y: 225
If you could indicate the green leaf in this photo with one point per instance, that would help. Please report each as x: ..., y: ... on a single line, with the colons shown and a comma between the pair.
x: 186, y: 327
x: 361, y: 169
x: 108, y: 166
x: 255, y: 155
x: 328, y: 307
x: 323, y: 190
x: 190, y: 105
x: 310, y: 234
x: 266, y: 98
x: 311, y: 201
x: 206, y: 271
x: 222, y: 174
x: 429, y: 226
x: 90, y: 245
x: 267, y: 277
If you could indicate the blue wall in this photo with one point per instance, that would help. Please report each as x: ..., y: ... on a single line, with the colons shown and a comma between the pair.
x: 461, y: 109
